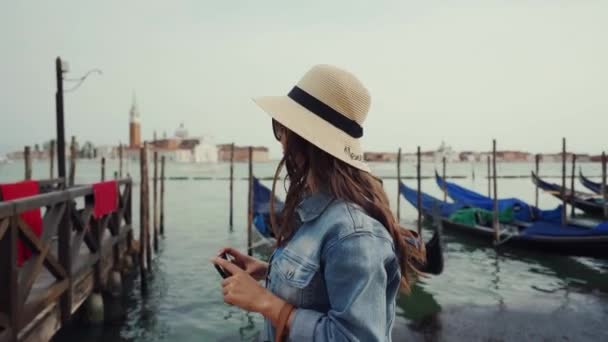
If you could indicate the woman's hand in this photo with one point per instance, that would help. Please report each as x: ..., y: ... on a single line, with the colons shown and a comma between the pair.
x: 242, y: 290
x: 254, y: 267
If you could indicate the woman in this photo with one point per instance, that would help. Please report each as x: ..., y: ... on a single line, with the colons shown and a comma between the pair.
x: 341, y: 256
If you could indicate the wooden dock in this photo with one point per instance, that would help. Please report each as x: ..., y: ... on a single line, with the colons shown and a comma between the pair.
x: 72, y: 259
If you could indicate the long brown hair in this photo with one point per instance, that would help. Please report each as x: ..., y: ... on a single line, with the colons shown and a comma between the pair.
x: 307, y: 163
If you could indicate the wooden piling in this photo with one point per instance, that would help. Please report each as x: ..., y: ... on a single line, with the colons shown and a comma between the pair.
x: 103, y: 169
x: 444, y: 187
x: 250, y: 202
x: 419, y: 188
x: 162, y: 195
x: 563, y: 189
x: 495, y: 222
x: 142, y: 219
x: 489, y: 179
x: 604, y: 189
x: 52, y: 159
x: 146, y: 200
x: 155, y: 202
x: 231, y: 214
x: 27, y: 159
x: 536, y: 170
x: 399, y: 185
x: 120, y: 160
x: 572, y: 181
x: 73, y: 152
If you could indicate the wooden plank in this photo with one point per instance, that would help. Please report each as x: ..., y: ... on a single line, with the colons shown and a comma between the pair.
x: 81, y: 290
x: 3, y: 226
x: 30, y: 273
x: 39, y: 201
x: 32, y: 241
x: 43, y: 327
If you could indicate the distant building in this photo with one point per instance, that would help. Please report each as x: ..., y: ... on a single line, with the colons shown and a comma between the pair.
x: 241, y: 153
x: 380, y: 156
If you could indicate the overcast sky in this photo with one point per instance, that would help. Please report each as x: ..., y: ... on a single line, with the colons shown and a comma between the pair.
x: 524, y: 72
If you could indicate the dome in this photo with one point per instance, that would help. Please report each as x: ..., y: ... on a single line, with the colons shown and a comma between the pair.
x: 181, y: 132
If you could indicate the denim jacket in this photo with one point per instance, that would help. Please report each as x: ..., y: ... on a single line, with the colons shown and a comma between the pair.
x: 341, y: 273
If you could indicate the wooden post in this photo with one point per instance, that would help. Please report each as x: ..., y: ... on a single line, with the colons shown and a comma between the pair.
x: 445, y: 190
x: 103, y: 169
x: 572, y: 182
x: 419, y: 198
x: 536, y: 169
x: 155, y: 202
x: 162, y: 195
x: 604, y: 189
x: 231, y: 214
x: 563, y: 190
x: 494, y: 178
x: 120, y: 160
x: 250, y: 202
x: 399, y: 185
x: 142, y: 218
x: 52, y: 159
x: 489, y: 179
x: 27, y: 159
x: 146, y: 199
x: 9, y: 276
x: 72, y: 162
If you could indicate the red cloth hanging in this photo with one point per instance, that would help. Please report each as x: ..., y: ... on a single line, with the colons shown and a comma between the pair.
x: 33, y: 217
x: 106, y: 198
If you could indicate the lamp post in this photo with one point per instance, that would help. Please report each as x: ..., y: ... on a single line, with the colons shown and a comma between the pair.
x: 62, y: 67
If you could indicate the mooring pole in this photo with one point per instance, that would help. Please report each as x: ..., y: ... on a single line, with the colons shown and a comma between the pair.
x: 52, y: 159
x: 572, y: 182
x: 162, y: 195
x: 120, y: 160
x: 536, y: 169
x: 399, y: 185
x: 489, y: 179
x: 563, y: 189
x: 72, y: 161
x: 604, y: 190
x: 146, y: 199
x: 250, y: 202
x: 155, y: 202
x: 59, y: 120
x: 103, y: 169
x: 142, y: 223
x: 230, y: 218
x: 494, y: 179
x: 444, y: 185
x: 419, y: 198
x: 27, y: 159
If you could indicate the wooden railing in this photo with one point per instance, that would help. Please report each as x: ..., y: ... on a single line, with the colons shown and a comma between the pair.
x: 69, y: 260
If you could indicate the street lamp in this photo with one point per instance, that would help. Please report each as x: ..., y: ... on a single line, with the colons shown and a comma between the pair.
x: 62, y: 67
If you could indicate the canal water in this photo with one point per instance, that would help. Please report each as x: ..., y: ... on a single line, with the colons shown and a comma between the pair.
x: 482, y: 294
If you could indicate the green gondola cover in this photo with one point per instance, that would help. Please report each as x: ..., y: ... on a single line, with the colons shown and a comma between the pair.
x: 475, y: 216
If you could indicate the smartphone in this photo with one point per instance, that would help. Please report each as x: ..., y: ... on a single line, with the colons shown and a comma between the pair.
x: 220, y: 270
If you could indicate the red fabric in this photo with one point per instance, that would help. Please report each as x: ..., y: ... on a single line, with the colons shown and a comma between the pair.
x: 33, y: 217
x: 106, y: 198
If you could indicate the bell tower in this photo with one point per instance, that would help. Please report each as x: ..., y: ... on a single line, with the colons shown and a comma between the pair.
x: 134, y: 125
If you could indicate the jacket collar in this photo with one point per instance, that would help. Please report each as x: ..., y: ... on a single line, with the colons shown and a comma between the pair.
x: 313, y: 205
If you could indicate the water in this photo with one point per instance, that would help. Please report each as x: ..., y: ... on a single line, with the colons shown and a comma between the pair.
x: 553, y: 295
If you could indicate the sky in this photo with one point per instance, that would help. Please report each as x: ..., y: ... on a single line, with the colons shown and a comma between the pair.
x: 523, y: 72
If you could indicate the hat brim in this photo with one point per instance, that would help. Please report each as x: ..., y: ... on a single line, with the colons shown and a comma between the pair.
x: 314, y: 129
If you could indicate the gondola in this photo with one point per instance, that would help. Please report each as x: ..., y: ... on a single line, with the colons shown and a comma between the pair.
x: 542, y: 236
x: 262, y: 196
x: 523, y: 212
x: 589, y: 184
x: 591, y: 204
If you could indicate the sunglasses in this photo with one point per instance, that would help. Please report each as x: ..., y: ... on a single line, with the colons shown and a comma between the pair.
x: 277, y: 129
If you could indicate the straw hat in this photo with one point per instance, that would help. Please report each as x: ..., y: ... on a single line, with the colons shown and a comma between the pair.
x: 327, y: 108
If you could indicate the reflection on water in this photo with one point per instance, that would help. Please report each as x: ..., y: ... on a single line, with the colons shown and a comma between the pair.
x: 543, y: 292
